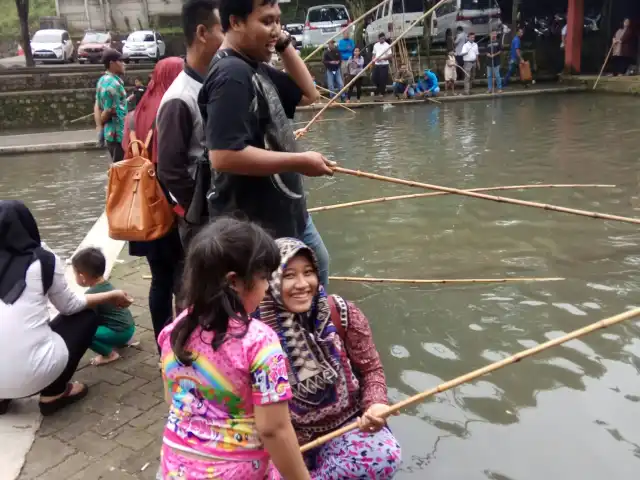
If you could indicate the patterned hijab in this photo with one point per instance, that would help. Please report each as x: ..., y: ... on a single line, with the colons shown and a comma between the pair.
x: 309, y: 339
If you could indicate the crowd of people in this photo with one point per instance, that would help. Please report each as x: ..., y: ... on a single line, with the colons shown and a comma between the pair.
x: 258, y: 359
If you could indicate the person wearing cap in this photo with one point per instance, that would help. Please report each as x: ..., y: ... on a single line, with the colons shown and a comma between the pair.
x: 110, y: 107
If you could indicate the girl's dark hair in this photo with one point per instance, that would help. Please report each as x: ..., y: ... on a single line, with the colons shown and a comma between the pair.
x: 227, y: 245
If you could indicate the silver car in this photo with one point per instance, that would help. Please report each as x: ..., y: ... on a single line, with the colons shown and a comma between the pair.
x: 323, y: 22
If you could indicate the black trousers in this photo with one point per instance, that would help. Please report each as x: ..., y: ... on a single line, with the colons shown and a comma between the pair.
x: 115, y: 151
x: 380, y: 76
x: 621, y: 64
x: 77, y: 331
x: 166, y: 258
x: 358, y: 86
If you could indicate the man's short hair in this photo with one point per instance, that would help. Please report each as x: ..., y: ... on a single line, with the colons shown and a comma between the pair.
x: 90, y: 261
x: 460, y: 29
x: 198, y: 12
x: 381, y: 35
x: 238, y: 8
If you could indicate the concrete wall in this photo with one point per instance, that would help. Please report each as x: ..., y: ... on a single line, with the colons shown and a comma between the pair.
x: 123, y: 15
x: 43, y: 108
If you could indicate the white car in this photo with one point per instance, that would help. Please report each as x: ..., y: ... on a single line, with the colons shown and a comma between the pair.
x: 295, y: 30
x: 477, y: 16
x: 52, y: 46
x: 323, y: 22
x: 143, y: 45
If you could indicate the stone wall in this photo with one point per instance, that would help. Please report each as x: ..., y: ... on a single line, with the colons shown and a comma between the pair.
x: 44, y: 108
x: 63, y: 81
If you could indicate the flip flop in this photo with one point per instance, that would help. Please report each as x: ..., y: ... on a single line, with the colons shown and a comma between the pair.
x: 49, y: 408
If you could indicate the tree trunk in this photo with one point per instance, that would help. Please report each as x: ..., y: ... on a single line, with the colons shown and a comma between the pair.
x: 23, y: 14
x: 426, y: 32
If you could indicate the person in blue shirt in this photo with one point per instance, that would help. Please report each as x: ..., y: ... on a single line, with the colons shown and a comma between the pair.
x: 428, y: 86
x: 515, y: 58
x: 346, y: 46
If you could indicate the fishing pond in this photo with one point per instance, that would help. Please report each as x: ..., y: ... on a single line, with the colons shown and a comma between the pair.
x: 571, y: 412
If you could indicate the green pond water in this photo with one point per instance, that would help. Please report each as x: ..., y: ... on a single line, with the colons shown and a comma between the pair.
x: 571, y: 412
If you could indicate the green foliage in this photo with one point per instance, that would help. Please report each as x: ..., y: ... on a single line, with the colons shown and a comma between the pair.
x: 10, y: 24
x: 307, y: 50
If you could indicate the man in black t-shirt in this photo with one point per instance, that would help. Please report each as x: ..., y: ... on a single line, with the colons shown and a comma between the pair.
x: 494, y: 53
x: 246, y: 105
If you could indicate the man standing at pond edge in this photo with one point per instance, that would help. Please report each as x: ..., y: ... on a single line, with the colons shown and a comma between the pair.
x: 246, y: 105
x: 110, y: 106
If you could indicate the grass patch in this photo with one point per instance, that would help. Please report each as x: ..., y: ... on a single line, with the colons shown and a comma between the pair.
x: 10, y: 24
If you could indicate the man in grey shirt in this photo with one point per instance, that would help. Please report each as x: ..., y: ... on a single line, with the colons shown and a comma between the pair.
x: 461, y: 39
x: 181, y: 142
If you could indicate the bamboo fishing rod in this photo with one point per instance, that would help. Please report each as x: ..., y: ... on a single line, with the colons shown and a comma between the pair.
x: 355, y: 22
x: 607, y: 322
x: 484, y: 196
x: 339, y: 104
x: 370, y: 64
x: 606, y: 60
x: 445, y: 281
x: 436, y: 194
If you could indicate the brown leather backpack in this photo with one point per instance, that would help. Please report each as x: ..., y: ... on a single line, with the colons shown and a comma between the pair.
x: 137, y: 207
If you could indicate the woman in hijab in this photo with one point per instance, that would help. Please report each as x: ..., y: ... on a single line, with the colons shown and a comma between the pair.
x: 334, y: 370
x: 36, y: 355
x: 165, y: 255
x: 623, y: 51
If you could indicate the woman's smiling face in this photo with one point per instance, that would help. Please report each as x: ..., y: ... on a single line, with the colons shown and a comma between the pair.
x: 299, y: 284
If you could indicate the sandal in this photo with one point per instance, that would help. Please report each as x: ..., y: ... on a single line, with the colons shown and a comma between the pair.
x: 4, y: 406
x: 49, y: 408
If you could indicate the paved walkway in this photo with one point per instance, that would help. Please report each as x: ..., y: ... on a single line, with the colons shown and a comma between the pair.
x: 116, y: 432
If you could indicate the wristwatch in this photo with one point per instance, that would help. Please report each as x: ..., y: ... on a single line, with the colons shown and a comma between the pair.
x: 283, y: 42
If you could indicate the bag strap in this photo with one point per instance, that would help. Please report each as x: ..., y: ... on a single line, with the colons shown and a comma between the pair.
x: 134, y: 141
x: 339, y: 314
x: 47, y: 266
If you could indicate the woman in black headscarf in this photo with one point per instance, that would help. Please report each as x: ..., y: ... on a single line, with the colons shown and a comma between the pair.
x: 36, y: 355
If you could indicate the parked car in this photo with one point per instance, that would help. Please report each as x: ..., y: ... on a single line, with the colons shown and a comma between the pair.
x: 478, y: 16
x: 143, y: 45
x: 324, y: 21
x: 295, y: 30
x: 52, y: 45
x: 93, y: 44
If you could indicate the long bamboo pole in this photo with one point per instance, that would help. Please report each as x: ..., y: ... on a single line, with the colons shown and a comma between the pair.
x: 436, y: 194
x: 340, y: 105
x: 607, y: 322
x: 484, y: 196
x: 445, y: 281
x: 355, y: 22
x: 606, y: 60
x: 370, y: 64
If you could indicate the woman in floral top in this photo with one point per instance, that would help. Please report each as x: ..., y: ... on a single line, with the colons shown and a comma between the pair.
x: 334, y: 370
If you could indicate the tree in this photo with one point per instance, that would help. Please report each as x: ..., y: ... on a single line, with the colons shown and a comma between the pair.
x: 23, y: 15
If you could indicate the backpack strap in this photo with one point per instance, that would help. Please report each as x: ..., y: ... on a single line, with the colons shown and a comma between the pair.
x: 339, y: 314
x: 47, y: 266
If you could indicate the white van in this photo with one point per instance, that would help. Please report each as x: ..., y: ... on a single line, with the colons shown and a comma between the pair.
x: 478, y: 16
x: 323, y: 22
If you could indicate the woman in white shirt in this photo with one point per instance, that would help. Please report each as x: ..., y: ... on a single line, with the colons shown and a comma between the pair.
x: 36, y: 355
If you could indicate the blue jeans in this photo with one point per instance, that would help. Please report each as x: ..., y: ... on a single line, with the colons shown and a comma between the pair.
x: 334, y: 82
x: 513, y: 66
x: 311, y: 237
x: 398, y: 89
x: 491, y: 71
